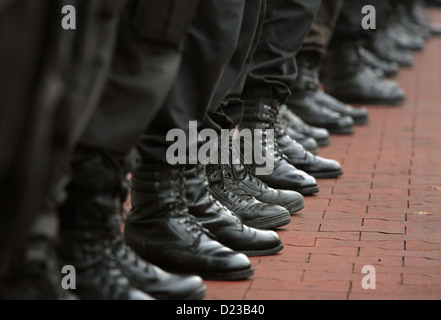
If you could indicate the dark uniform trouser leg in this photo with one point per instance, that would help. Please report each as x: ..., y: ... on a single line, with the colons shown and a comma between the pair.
x: 31, y: 66
x: 227, y: 107
x: 209, y: 47
x: 147, y: 58
x: 323, y: 27
x: 287, y: 22
x: 69, y: 71
x: 349, y: 27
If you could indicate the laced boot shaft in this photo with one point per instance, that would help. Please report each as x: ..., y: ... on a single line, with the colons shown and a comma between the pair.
x: 307, y: 85
x: 261, y: 114
x: 343, y: 60
x: 201, y: 203
x: 35, y: 271
x: 110, y: 191
x: 305, y: 102
x: 158, y: 193
x: 160, y: 229
x: 308, y: 78
x: 85, y: 224
x: 264, y: 116
x: 34, y: 275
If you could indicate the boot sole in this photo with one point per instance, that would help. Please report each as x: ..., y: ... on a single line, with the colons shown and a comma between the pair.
x: 295, y: 207
x: 323, y: 142
x: 260, y: 253
x: 345, y: 130
x: 270, y: 223
x: 217, y: 276
x: 378, y: 102
x: 198, y: 294
x: 308, y: 191
x: 227, y: 276
x: 326, y: 175
x: 360, y: 121
x: 304, y: 191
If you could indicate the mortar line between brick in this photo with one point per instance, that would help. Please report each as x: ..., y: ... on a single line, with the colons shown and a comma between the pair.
x: 251, y: 282
x: 247, y: 289
x: 349, y: 290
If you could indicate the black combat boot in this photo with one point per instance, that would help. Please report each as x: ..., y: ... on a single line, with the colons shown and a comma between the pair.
x: 34, y: 276
x: 291, y: 120
x: 412, y: 17
x: 35, y: 273
x: 259, y: 114
x: 347, y: 78
x: 149, y: 278
x: 245, y: 178
x: 160, y: 229
x: 224, y: 224
x: 388, y: 69
x: 141, y: 274
x: 384, y: 48
x: 309, y: 143
x: 145, y: 276
x: 302, y: 159
x: 94, y: 197
x: 253, y: 213
x: 316, y: 107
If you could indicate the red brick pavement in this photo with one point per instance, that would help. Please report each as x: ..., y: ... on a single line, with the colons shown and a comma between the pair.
x: 385, y: 210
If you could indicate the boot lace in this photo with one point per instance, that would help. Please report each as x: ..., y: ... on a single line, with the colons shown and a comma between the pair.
x: 191, y: 223
x: 228, y: 184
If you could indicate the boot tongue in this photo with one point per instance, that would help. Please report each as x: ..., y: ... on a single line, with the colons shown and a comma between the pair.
x: 192, y: 225
x: 223, y: 177
x: 231, y: 184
